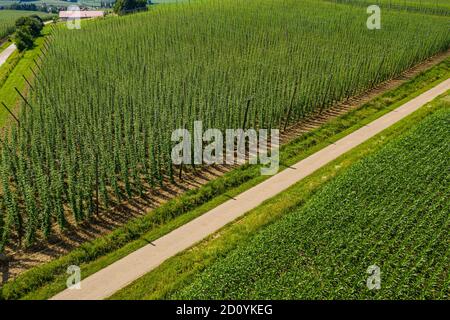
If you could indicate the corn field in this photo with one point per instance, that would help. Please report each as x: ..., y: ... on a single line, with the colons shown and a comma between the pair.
x: 96, y: 128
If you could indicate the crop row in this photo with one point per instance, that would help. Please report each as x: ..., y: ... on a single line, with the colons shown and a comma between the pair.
x: 390, y: 210
x: 439, y: 7
x: 97, y: 127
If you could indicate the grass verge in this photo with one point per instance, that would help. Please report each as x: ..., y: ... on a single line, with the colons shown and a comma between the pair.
x: 48, y: 279
x: 9, y: 65
x: 5, y: 44
x: 178, y: 272
x: 14, y: 78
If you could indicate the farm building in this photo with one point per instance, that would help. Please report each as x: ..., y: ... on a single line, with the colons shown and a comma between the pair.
x: 64, y: 15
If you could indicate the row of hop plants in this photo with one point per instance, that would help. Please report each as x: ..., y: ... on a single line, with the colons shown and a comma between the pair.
x: 437, y: 7
x: 96, y: 128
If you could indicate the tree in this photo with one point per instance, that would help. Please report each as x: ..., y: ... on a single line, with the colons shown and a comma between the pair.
x: 27, y: 28
x: 23, y: 38
x: 34, y: 22
x: 124, y: 6
x: 35, y: 16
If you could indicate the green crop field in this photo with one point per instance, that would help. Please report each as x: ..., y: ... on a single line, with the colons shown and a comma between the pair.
x: 96, y: 3
x: 62, y: 3
x: 389, y: 210
x: 107, y: 97
x: 9, y: 17
x: 55, y: 3
x: 439, y: 7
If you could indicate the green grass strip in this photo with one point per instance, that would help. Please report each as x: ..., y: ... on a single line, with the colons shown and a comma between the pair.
x: 15, y: 77
x: 5, y: 44
x: 9, y: 65
x: 390, y: 209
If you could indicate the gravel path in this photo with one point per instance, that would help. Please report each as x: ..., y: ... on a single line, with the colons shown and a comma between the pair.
x: 4, y: 55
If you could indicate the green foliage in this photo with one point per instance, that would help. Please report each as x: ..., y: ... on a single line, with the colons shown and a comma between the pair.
x: 439, y: 7
x: 48, y: 279
x: 124, y: 6
x: 23, y: 38
x: 109, y: 95
x: 9, y: 17
x: 8, y: 66
x: 12, y: 74
x: 390, y: 209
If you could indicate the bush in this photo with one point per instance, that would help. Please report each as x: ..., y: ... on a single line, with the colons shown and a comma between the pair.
x: 27, y: 28
x: 23, y: 38
x: 34, y: 22
x: 124, y: 6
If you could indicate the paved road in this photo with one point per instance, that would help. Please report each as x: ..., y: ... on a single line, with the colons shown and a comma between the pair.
x: 4, y: 55
x: 121, y: 273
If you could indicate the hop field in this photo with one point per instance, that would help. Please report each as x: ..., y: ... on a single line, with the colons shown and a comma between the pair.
x: 439, y: 7
x: 98, y: 124
x: 389, y: 210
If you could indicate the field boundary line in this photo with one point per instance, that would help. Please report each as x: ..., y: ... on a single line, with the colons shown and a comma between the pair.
x: 109, y: 280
